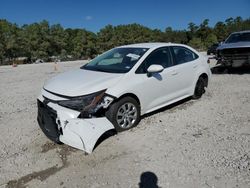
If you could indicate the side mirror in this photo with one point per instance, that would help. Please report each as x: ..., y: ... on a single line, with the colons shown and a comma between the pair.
x: 154, y: 69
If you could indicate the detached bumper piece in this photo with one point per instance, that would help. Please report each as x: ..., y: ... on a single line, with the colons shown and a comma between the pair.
x: 47, y: 121
x: 84, y: 133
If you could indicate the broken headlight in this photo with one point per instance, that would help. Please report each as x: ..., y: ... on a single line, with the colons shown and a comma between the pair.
x: 88, y: 104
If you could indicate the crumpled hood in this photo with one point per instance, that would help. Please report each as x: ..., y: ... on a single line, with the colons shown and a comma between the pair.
x: 81, y: 82
x: 234, y: 45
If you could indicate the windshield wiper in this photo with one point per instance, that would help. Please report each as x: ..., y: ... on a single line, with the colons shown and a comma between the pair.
x: 95, y: 69
x: 101, y: 70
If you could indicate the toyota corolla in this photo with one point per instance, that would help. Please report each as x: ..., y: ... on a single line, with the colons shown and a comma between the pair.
x: 116, y: 88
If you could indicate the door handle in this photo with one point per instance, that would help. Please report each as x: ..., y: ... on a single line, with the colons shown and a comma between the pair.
x: 174, y: 72
x: 195, y: 66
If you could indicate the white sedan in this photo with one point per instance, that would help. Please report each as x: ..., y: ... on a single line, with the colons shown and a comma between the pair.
x: 116, y: 88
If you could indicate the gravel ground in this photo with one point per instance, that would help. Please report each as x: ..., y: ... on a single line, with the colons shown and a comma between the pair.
x: 195, y: 143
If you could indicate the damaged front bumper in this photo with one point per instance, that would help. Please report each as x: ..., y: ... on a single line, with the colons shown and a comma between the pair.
x: 233, y: 57
x: 61, y: 124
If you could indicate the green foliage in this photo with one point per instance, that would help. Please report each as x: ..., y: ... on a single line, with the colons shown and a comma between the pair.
x: 210, y: 39
x: 48, y: 42
x: 196, y: 43
x: 220, y: 30
x: 110, y: 36
x: 9, y: 38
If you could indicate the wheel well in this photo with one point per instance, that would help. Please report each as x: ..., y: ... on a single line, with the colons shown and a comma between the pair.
x: 205, y: 77
x: 130, y: 95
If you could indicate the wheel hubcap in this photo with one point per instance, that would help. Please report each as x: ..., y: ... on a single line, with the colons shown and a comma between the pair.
x: 126, y: 115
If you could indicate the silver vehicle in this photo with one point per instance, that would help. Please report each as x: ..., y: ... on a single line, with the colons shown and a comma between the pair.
x: 235, y: 51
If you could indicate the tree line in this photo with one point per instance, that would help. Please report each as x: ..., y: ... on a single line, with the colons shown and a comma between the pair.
x: 48, y: 42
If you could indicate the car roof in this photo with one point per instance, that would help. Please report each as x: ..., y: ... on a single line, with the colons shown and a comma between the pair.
x: 150, y: 45
x: 246, y: 31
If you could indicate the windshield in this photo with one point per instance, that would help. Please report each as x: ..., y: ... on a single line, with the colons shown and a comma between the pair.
x: 238, y: 37
x: 117, y: 60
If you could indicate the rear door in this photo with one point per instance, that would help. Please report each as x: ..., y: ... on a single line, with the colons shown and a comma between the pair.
x: 185, y: 65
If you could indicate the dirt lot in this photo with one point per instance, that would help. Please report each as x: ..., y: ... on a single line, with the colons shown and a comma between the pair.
x: 203, y: 143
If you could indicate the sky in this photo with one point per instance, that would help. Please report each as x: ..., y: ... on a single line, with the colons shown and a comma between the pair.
x: 95, y: 14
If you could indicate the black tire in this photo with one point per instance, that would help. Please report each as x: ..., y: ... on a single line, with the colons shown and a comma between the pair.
x: 112, y: 113
x: 199, y: 88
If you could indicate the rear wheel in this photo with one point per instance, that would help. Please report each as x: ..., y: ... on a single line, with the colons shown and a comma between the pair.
x: 124, y: 114
x: 199, y: 88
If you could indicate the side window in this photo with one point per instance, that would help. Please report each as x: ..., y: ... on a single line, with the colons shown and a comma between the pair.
x: 158, y: 57
x: 183, y: 55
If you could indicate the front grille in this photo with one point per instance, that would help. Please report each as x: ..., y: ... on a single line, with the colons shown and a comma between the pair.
x: 236, y: 54
x: 46, y: 118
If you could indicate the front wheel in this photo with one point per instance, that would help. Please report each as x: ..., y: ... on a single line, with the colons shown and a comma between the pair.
x: 124, y: 114
x: 199, y: 88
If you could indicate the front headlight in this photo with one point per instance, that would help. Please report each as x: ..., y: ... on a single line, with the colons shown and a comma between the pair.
x: 79, y: 103
x: 88, y: 104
